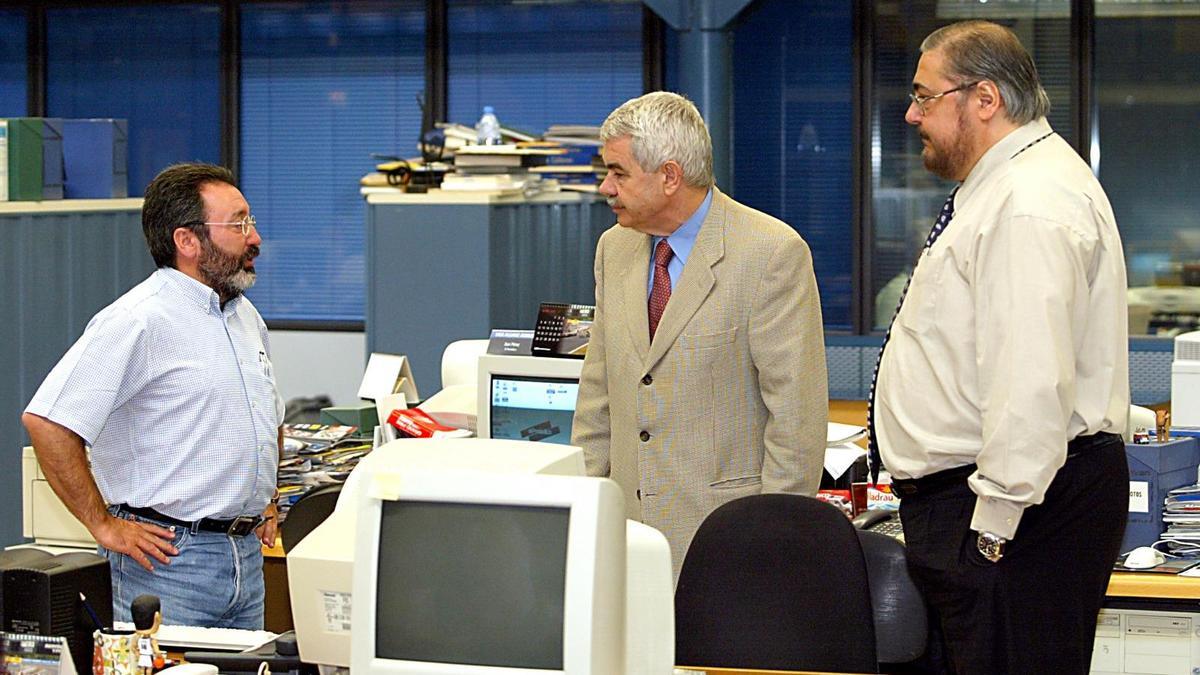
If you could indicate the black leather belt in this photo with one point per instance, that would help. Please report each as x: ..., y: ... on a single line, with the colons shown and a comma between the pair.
x: 908, y: 487
x: 234, y: 527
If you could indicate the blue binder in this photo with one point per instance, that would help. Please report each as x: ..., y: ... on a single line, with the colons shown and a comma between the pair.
x: 96, y: 158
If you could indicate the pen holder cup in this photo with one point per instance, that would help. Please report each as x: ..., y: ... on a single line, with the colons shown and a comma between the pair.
x: 114, y: 654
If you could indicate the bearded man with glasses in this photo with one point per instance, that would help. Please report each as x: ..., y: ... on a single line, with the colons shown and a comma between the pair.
x: 1002, y: 388
x: 171, y: 387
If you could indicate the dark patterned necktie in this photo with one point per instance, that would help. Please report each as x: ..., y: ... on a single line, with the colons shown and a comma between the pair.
x: 660, y: 292
x: 873, y: 457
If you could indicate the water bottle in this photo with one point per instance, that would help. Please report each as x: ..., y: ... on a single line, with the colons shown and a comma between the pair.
x: 487, y: 130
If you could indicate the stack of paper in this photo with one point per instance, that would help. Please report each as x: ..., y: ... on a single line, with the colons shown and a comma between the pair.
x: 1181, y: 511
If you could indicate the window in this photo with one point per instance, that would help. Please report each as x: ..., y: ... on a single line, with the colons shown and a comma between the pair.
x: 540, y: 63
x: 323, y: 86
x: 905, y: 197
x: 1147, y: 70
x: 12, y: 63
x: 156, y: 66
x: 793, y: 129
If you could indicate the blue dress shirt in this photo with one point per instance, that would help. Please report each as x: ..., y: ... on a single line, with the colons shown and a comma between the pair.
x: 176, y: 398
x: 681, y: 242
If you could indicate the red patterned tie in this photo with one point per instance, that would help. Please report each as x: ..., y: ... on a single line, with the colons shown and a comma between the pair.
x: 660, y: 293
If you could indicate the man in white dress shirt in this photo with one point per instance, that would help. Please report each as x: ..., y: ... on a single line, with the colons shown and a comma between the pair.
x: 1003, y: 386
x: 171, y: 387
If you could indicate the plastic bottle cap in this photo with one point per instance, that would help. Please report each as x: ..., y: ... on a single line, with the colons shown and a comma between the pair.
x: 487, y: 110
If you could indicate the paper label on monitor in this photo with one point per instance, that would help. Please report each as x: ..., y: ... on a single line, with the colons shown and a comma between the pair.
x: 336, y: 611
x: 1139, y: 496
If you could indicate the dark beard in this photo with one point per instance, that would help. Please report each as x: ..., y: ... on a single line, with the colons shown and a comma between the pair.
x: 224, y: 273
x: 947, y: 162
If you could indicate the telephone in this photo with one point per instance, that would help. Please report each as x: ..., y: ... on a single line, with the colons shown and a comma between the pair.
x: 883, y: 521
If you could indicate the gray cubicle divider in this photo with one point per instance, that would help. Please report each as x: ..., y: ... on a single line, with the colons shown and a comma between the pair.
x: 60, y: 262
x: 441, y: 270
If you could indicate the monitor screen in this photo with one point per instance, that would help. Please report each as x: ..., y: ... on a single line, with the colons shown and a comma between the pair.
x: 527, y: 408
x: 467, y: 583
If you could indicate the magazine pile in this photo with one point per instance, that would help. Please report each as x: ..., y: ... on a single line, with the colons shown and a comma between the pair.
x: 1181, y: 512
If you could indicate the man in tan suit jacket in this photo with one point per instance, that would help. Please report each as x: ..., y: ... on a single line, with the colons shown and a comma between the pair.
x: 729, y: 397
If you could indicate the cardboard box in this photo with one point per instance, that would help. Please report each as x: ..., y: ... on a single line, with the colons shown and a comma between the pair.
x: 1154, y: 470
x: 96, y: 158
x: 362, y: 416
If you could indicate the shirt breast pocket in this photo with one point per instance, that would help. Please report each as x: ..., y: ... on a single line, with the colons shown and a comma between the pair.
x: 261, y: 380
x: 918, y: 310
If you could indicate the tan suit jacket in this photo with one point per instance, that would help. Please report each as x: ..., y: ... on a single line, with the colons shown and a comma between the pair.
x: 731, y: 397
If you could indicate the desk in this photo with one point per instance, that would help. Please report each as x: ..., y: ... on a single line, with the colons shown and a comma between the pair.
x: 1154, y: 587
x: 744, y: 671
x: 277, y: 605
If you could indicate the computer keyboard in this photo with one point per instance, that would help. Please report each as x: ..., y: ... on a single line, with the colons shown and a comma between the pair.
x: 891, y: 527
x: 231, y: 639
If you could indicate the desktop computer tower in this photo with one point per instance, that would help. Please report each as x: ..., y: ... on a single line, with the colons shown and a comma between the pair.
x: 43, y: 595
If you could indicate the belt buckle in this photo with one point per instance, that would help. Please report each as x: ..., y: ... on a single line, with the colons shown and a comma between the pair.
x: 243, y: 525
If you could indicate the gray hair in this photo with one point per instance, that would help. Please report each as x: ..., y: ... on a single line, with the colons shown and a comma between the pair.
x: 664, y: 126
x: 981, y: 50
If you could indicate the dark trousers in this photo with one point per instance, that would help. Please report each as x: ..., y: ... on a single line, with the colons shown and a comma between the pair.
x: 1035, y: 610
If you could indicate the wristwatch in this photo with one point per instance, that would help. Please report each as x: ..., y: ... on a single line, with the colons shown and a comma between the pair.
x: 990, y: 546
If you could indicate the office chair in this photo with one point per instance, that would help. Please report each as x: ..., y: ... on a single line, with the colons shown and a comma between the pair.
x: 901, y: 622
x: 307, y: 513
x: 775, y: 582
x: 460, y: 362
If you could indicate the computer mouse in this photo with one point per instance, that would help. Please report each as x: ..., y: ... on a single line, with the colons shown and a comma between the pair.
x: 1144, y: 557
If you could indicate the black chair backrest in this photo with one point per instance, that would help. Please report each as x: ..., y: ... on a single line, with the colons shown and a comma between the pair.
x: 775, y: 582
x: 901, y: 623
x: 307, y: 513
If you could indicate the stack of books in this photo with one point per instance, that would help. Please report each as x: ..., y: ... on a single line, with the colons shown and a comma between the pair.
x: 498, y: 168
x: 580, y: 167
x: 1181, y: 511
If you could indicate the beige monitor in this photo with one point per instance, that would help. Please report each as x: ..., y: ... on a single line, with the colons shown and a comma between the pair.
x: 320, y: 567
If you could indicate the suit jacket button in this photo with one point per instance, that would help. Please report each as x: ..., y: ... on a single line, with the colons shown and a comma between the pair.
x: 645, y: 436
x: 647, y: 380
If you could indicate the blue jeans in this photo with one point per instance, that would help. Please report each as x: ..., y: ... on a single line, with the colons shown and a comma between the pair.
x: 216, y: 580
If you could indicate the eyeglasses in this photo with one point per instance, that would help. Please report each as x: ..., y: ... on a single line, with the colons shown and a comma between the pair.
x: 922, y: 100
x: 244, y: 225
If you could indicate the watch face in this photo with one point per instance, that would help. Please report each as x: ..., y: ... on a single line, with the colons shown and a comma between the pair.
x: 990, y: 546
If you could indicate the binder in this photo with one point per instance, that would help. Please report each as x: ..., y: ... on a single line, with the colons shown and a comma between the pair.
x: 25, y: 159
x: 3, y: 160
x: 96, y: 158
x: 52, y: 158
x: 35, y: 164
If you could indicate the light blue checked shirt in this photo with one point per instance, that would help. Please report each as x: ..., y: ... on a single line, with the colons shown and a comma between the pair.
x: 176, y: 398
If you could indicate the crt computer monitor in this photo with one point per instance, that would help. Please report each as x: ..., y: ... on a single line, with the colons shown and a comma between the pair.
x: 527, y: 398
x: 474, y: 573
x: 321, y: 566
